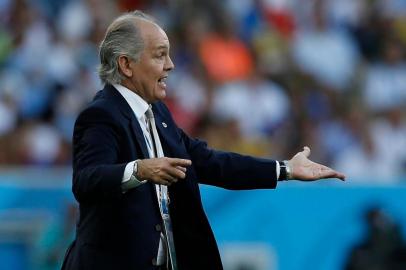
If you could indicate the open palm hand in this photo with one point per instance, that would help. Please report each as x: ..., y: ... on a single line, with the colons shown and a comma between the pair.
x: 306, y: 170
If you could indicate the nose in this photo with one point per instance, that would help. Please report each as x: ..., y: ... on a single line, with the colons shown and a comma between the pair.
x: 169, y: 64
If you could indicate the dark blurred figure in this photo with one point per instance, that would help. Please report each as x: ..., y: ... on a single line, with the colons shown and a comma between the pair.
x: 384, y: 247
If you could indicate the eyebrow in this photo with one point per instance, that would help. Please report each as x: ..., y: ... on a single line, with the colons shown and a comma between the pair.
x: 161, y: 47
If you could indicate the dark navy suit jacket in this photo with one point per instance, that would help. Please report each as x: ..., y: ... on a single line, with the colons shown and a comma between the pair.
x: 119, y: 230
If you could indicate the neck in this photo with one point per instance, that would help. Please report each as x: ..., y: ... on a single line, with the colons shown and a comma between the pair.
x: 130, y: 86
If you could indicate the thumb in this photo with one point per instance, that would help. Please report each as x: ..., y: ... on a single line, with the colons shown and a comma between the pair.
x: 306, y: 151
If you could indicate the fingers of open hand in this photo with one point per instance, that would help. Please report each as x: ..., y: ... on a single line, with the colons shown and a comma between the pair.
x: 335, y: 174
x: 326, y: 172
x: 305, y: 169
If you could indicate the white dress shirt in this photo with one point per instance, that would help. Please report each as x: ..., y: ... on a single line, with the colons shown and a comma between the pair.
x: 139, y: 107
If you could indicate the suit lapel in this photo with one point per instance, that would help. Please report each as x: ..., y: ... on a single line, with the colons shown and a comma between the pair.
x: 166, y: 134
x: 135, y: 125
x: 129, y: 114
x: 158, y: 122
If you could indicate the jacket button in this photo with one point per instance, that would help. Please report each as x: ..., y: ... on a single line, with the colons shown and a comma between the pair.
x: 154, y: 262
x: 158, y: 227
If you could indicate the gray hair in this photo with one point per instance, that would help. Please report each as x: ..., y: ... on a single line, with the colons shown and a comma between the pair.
x: 123, y: 37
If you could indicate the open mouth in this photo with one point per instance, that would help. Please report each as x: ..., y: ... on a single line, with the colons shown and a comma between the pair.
x: 162, y: 81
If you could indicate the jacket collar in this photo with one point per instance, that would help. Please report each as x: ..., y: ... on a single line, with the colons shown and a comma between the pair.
x: 118, y: 99
x: 111, y: 93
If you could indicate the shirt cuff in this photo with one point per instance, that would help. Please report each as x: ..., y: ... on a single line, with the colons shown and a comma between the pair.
x: 128, y: 171
x: 278, y: 170
x: 129, y: 181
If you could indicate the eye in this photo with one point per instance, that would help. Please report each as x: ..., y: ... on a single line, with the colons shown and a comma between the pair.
x: 160, y: 55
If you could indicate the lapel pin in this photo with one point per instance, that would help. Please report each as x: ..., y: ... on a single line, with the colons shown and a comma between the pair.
x: 164, y: 124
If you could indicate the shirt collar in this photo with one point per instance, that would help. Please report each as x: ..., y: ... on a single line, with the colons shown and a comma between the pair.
x: 137, y: 104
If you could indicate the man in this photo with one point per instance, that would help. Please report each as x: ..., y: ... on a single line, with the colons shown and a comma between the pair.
x: 131, y: 161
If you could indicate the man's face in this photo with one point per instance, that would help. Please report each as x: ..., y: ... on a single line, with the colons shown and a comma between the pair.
x: 149, y: 73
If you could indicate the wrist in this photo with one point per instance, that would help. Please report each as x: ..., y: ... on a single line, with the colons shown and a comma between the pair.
x: 285, y: 170
x: 289, y: 170
x: 136, y: 169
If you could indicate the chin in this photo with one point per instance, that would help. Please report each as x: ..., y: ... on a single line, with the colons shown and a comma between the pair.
x: 161, y: 95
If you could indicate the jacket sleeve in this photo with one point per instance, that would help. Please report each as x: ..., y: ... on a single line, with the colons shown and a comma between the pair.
x: 229, y: 170
x: 96, y: 172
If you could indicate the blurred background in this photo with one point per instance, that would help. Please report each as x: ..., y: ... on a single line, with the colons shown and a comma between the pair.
x: 260, y: 77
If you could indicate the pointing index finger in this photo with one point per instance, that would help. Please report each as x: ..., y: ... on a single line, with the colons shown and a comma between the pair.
x: 180, y: 162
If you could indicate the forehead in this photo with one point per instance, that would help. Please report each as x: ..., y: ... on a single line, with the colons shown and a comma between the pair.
x: 153, y: 35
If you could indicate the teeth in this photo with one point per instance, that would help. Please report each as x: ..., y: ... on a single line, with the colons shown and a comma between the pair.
x: 162, y: 81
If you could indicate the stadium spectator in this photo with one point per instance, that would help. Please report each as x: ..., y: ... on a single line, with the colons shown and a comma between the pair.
x: 44, y: 44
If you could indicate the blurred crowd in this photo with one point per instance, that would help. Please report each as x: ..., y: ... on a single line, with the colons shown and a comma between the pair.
x: 261, y: 77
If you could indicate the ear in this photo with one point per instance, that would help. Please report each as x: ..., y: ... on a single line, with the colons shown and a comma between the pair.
x: 124, y: 66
